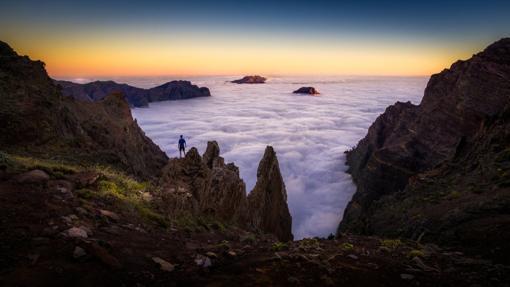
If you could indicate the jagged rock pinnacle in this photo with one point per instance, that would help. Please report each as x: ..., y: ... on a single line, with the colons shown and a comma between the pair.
x: 268, y: 199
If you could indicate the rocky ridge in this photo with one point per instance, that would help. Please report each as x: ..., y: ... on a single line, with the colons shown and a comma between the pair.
x: 137, y: 97
x: 206, y: 186
x: 437, y: 171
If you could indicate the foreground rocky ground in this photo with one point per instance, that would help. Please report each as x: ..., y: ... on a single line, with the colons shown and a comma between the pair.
x: 67, y: 226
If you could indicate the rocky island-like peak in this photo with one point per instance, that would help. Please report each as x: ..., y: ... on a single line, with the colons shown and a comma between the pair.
x: 136, y: 97
x: 307, y: 90
x: 250, y: 80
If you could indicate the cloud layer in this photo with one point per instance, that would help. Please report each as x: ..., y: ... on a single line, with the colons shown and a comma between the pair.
x: 309, y: 134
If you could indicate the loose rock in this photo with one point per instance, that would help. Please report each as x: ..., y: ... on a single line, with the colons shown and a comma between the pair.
x: 203, y: 261
x: 79, y: 252
x: 407, y: 276
x: 163, y: 264
x: 76, y: 232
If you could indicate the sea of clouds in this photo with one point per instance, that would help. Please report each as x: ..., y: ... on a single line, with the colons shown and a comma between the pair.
x: 309, y: 133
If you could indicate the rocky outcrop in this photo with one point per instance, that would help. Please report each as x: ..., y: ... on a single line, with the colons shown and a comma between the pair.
x: 37, y: 118
x: 268, y: 199
x: 136, y: 97
x: 413, y: 167
x: 206, y: 186
x: 250, y: 80
x: 306, y: 90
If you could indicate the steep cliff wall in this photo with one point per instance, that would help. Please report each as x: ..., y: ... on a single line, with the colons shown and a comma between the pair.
x: 420, y: 169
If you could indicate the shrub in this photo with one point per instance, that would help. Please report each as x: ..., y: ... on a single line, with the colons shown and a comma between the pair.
x: 415, y: 253
x: 391, y: 244
x: 346, y: 246
x: 279, y: 246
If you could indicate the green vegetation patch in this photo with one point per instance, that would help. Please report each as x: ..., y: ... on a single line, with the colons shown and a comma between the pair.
x: 415, y: 253
x: 391, y: 244
x: 54, y: 168
x: 346, y: 246
x: 279, y: 246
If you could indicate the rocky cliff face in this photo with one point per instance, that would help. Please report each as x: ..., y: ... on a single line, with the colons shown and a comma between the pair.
x: 37, y: 118
x: 206, y: 186
x: 137, y: 97
x: 430, y: 169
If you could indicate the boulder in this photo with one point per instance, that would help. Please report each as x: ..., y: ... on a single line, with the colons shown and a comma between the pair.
x: 76, y: 232
x: 33, y: 176
x: 163, y: 264
x: 109, y: 214
x: 250, y: 80
x: 306, y: 90
x: 78, y: 252
x: 62, y: 186
x: 203, y: 261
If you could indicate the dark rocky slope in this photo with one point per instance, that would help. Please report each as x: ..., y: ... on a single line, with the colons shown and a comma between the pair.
x: 137, y: 97
x: 36, y: 117
x: 439, y: 171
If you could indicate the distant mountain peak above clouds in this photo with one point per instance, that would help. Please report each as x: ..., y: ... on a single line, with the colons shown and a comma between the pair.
x: 137, y: 97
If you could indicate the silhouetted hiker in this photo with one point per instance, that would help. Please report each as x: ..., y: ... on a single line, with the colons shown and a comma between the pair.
x: 182, y: 146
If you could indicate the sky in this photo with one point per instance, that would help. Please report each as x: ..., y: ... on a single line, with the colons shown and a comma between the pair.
x: 223, y: 37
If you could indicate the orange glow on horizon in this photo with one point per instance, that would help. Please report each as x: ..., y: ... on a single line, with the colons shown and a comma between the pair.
x: 87, y: 56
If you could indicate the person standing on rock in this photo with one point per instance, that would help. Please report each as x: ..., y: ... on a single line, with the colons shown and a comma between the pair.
x: 182, y: 146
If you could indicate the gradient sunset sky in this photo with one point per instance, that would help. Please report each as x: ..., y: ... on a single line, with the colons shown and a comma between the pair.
x: 144, y: 38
